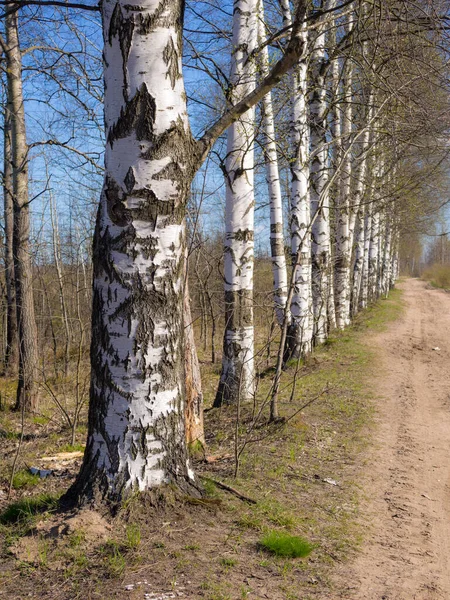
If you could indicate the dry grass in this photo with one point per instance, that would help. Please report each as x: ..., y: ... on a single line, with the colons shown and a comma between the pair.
x: 438, y: 276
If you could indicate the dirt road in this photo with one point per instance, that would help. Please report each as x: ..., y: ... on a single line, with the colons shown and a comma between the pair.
x: 406, y: 552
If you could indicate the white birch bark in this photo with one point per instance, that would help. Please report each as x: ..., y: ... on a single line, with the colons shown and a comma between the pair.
x: 279, y: 269
x: 136, y: 437
x: 359, y: 213
x: 237, y: 379
x: 364, y: 289
x: 358, y: 265
x: 321, y: 257
x: 300, y: 332
x: 343, y: 233
x: 387, y: 261
x: 374, y: 255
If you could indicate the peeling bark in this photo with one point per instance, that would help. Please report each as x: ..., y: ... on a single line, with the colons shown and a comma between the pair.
x: 193, y: 383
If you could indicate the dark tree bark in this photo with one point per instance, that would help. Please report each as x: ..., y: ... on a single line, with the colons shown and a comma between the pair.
x: 27, y: 396
x: 12, y: 348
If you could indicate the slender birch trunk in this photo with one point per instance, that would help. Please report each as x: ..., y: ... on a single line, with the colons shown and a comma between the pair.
x: 358, y: 265
x: 27, y: 393
x: 237, y: 379
x: 381, y: 251
x: 343, y: 233
x: 300, y: 331
x: 395, y: 255
x: 374, y: 255
x: 321, y: 257
x: 12, y: 344
x: 359, y: 213
x: 136, y: 437
x: 59, y: 274
x: 364, y: 292
x: 387, y: 262
x: 279, y: 270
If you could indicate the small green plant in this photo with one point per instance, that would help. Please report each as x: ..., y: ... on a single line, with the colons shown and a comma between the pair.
x: 283, y: 544
x: 41, y: 420
x: 26, y: 508
x: 191, y: 547
x: 133, y: 537
x: 116, y: 561
x: 210, y: 488
x: 24, y: 479
x: 228, y: 562
x: 77, y: 538
x: 73, y: 448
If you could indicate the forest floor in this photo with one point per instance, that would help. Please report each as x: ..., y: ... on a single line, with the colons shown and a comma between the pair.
x: 361, y: 472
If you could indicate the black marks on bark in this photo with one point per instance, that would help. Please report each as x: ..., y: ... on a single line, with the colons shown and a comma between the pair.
x: 170, y: 432
x: 243, y: 235
x: 146, y: 23
x: 238, y: 309
x: 153, y: 211
x: 123, y: 28
x: 170, y: 57
x: 129, y: 180
x: 276, y: 246
x: 138, y: 116
x: 115, y: 203
x: 276, y: 228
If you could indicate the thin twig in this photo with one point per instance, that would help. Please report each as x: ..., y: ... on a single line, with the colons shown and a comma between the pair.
x: 230, y: 489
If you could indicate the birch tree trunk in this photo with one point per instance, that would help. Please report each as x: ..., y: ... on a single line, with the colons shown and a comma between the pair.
x: 59, y: 273
x: 343, y: 233
x: 300, y: 333
x: 136, y: 437
x: 27, y: 394
x: 359, y: 214
x: 237, y: 379
x: 373, y: 255
x: 364, y: 293
x: 321, y: 257
x: 280, y: 281
x: 358, y: 265
x: 387, y: 261
x: 12, y: 347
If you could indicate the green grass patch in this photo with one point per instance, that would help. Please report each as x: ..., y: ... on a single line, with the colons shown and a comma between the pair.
x: 23, y: 479
x: 26, y: 508
x: 72, y: 448
x: 283, y: 544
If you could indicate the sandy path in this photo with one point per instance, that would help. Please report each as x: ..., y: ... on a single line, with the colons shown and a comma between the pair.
x: 406, y: 553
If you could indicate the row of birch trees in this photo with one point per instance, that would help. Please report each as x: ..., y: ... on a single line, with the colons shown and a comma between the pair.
x: 344, y: 99
x: 354, y: 107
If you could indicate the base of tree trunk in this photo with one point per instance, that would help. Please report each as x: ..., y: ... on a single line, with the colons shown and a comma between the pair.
x: 83, y: 493
x: 295, y: 347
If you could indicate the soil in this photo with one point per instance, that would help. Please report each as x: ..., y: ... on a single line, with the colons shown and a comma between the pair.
x: 406, y: 553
